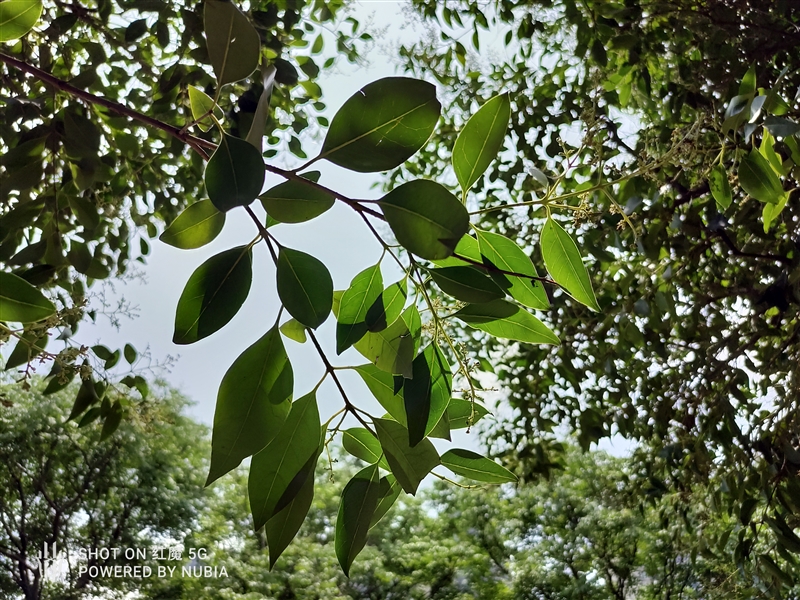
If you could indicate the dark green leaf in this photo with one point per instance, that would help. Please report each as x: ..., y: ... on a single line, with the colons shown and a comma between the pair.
x: 474, y: 466
x: 235, y: 173
x: 409, y: 465
x: 480, y: 141
x: 20, y: 302
x: 506, y: 320
x: 194, y: 227
x: 387, y: 307
x: 382, y: 125
x: 28, y: 347
x: 305, y: 287
x: 467, y: 284
x: 282, y: 528
x: 274, y: 468
x: 295, y: 202
x: 501, y: 252
x: 252, y: 403
x: 427, y: 393
x: 17, y: 17
x: 425, y: 218
x: 213, y: 295
x: 364, y: 291
x: 563, y: 261
x: 87, y: 395
x: 112, y: 421
x: 135, y: 30
x: 130, y: 353
x: 233, y: 43
x: 359, y: 501
x: 758, y: 179
x: 780, y: 127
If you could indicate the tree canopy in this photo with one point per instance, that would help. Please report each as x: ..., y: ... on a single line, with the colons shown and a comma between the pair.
x: 663, y: 272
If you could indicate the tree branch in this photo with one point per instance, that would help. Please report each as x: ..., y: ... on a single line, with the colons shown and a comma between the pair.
x: 194, y: 142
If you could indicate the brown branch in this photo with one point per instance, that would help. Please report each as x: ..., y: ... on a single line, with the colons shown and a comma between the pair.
x: 194, y: 142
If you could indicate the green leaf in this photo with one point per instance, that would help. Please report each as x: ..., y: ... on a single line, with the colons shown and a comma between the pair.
x: 480, y: 140
x: 413, y: 321
x: 362, y: 444
x: 409, y: 465
x: 196, y: 226
x: 468, y: 248
x: 129, y: 353
x: 87, y: 395
x: 295, y: 202
x: 720, y: 187
x: 257, y: 128
x: 389, y: 492
x: 28, y: 347
x: 276, y: 467
x: 467, y: 284
x: 425, y: 218
x: 17, y: 17
x: 203, y: 106
x: 382, y: 125
x: 770, y: 212
x: 474, y: 466
x: 283, y: 527
x: 213, y: 295
x: 503, y: 253
x: 294, y: 330
x: 135, y: 30
x: 364, y: 291
x: 381, y: 384
x: 506, y: 320
x: 112, y: 421
x: 459, y: 413
x: 387, y: 307
x: 780, y: 127
x: 20, y: 302
x: 233, y: 43
x: 235, y: 173
x: 252, y: 404
x: 305, y: 287
x: 758, y: 179
x: 748, y: 85
x: 359, y: 501
x: 427, y: 393
x: 563, y: 262
x: 391, y: 350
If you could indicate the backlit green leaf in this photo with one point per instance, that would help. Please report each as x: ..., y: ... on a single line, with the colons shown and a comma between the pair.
x: 257, y: 128
x: 283, y: 527
x: 17, y: 17
x: 387, y: 307
x: 233, y: 43
x: 427, y: 393
x: 213, y: 295
x: 506, y: 320
x: 294, y: 330
x: 409, y: 465
x: 252, y: 404
x: 389, y: 492
x: 276, y: 467
x: 20, y: 302
x: 364, y: 291
x: 235, y: 173
x: 202, y: 106
x: 480, y: 140
x: 382, y: 125
x: 467, y: 284
x: 295, y: 202
x: 460, y: 411
x: 425, y: 218
x: 474, y: 466
x: 720, y: 187
x: 501, y: 252
x: 362, y: 444
x: 563, y: 261
x: 305, y: 287
x: 758, y: 179
x: 391, y: 350
x: 468, y: 248
x: 194, y: 227
x: 359, y: 501
x: 381, y: 384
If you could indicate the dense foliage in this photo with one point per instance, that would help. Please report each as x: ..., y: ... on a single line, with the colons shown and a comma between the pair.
x: 62, y: 489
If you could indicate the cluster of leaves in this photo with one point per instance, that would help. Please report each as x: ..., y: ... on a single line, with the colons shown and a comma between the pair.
x: 486, y: 279
x: 95, y: 102
x: 691, y: 227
